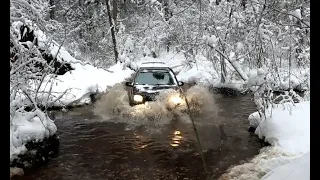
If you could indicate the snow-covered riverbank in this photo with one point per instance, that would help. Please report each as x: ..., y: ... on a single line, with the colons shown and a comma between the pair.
x: 29, y: 126
x: 87, y: 79
x: 287, y: 129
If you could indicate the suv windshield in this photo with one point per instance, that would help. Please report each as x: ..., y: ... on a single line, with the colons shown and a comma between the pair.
x: 154, y: 78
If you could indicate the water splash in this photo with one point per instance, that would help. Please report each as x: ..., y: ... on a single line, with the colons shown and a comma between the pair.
x: 114, y: 106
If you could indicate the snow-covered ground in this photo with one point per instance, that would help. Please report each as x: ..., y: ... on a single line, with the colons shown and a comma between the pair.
x: 298, y: 169
x: 287, y: 129
x: 28, y: 126
x: 86, y: 79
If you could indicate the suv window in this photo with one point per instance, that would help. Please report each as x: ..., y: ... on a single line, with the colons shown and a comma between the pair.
x: 154, y: 78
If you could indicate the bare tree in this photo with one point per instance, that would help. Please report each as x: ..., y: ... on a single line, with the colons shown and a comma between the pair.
x: 113, y: 28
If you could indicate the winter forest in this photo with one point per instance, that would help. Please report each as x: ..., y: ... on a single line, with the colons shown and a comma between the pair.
x: 62, y: 52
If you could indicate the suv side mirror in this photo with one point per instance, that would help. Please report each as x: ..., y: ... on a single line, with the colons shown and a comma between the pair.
x: 180, y: 83
x: 129, y: 84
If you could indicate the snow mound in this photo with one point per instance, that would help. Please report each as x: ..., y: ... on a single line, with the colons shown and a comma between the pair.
x: 296, y: 170
x: 29, y: 126
x: 296, y: 13
x: 287, y: 129
x: 256, y: 77
x: 201, y: 72
x: 287, y: 126
x: 77, y: 85
x: 86, y: 80
x: 268, y: 158
x: 176, y: 61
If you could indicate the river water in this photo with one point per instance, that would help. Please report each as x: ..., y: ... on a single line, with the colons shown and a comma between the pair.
x: 99, y: 150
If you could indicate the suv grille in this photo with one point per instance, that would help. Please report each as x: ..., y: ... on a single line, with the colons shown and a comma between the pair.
x: 150, y: 97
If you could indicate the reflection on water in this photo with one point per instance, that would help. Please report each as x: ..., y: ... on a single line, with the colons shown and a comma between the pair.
x: 93, y: 150
x: 176, y: 139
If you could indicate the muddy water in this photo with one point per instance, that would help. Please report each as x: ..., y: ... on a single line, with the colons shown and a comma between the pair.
x: 93, y: 150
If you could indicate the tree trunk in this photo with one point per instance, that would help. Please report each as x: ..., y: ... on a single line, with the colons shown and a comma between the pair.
x: 52, y: 9
x: 113, y: 33
x: 124, y: 6
x: 115, y: 13
x: 167, y: 17
x: 223, y: 70
x: 166, y: 10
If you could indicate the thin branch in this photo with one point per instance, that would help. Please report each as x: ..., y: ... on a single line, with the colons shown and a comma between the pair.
x: 226, y: 57
x: 59, y: 97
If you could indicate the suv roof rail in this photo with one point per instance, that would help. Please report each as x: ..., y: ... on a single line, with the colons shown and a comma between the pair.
x: 153, y: 62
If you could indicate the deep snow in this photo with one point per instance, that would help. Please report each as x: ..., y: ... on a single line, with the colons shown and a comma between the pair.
x: 298, y: 169
x: 287, y: 129
x: 28, y: 126
x: 87, y: 79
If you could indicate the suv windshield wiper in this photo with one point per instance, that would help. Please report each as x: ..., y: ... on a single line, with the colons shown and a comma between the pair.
x: 163, y: 84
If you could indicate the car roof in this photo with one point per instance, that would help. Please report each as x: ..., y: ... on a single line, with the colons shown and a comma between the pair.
x: 155, y: 69
x: 152, y: 62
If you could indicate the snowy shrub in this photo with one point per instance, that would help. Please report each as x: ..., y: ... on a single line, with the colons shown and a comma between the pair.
x: 28, y: 71
x: 265, y: 98
x: 235, y: 36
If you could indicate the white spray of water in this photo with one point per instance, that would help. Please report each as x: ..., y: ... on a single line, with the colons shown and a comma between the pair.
x: 114, y: 106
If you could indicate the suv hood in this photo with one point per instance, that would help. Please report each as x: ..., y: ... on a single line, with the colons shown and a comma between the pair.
x: 153, y: 88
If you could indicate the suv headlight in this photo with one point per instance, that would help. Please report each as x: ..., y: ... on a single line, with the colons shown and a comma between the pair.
x: 176, y: 99
x: 137, y: 98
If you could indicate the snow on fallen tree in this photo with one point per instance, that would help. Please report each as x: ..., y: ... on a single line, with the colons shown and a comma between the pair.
x: 41, y: 86
x: 212, y: 41
x: 28, y: 69
x: 237, y: 66
x: 26, y: 126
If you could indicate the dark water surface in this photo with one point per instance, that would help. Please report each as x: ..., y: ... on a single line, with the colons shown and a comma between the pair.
x: 92, y: 150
